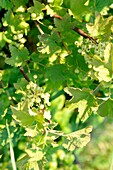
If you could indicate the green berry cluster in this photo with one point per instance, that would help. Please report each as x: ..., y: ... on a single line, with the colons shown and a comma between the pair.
x: 94, y: 53
x: 37, y: 95
x: 88, y: 47
x: 35, y: 100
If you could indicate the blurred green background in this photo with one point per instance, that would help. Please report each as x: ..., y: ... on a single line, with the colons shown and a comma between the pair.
x: 97, y: 155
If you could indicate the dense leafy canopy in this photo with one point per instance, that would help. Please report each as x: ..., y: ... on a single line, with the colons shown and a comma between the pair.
x: 56, y: 66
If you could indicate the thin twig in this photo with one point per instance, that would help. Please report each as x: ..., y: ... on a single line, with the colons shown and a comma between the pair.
x: 57, y: 16
x: 24, y: 74
x: 96, y: 90
x: 39, y: 28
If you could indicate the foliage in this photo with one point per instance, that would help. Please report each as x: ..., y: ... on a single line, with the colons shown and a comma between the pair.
x: 55, y: 74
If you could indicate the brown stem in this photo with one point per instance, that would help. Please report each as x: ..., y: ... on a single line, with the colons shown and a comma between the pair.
x: 57, y: 16
x: 78, y: 30
x: 24, y: 74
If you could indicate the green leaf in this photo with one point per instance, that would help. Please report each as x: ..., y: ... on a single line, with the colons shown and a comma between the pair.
x: 2, y: 41
x: 32, y: 165
x: 3, y: 135
x: 103, y: 74
x: 1, y: 156
x: 77, y: 139
x: 10, y: 75
x: 79, y: 9
x: 72, y: 140
x: 22, y: 162
x: 54, y: 134
x: 56, y: 76
x: 34, y: 154
x: 80, y: 61
x: 21, y: 84
x: 65, y: 24
x: 36, y: 10
x: 83, y: 100
x: 101, y: 69
x: 32, y: 131
x: 79, y: 94
x: 5, y: 4
x: 66, y: 3
x: 49, y: 43
x: 18, y: 57
x: 106, y: 25
x: 3, y: 105
x: 106, y: 108
x: 20, y: 3
x: 108, y: 55
x: 22, y: 117
x: 25, y: 162
x: 101, y: 26
x: 8, y: 18
x: 57, y: 3
x: 100, y: 4
x: 94, y: 29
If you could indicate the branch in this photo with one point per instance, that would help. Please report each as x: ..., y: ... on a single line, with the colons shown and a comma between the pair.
x: 57, y: 16
x: 76, y: 29
x: 24, y: 74
x: 96, y: 90
x: 79, y: 31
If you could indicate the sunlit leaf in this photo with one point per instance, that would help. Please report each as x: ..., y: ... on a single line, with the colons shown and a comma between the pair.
x: 57, y: 2
x: 83, y: 100
x: 78, y: 94
x: 47, y: 115
x: 101, y: 26
x: 77, y: 139
x: 2, y: 41
x: 34, y: 154
x: 22, y: 117
x: 108, y: 55
x: 32, y: 132
x: 54, y: 134
x: 103, y: 73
